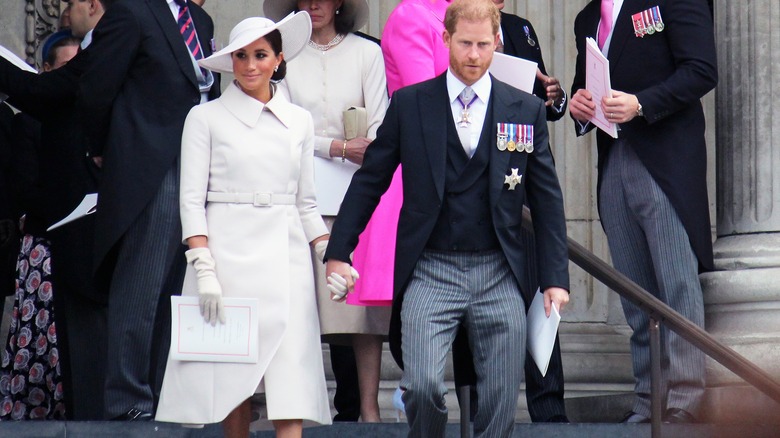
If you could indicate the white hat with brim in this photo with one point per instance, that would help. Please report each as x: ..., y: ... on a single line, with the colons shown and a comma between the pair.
x: 275, y: 9
x: 295, y: 29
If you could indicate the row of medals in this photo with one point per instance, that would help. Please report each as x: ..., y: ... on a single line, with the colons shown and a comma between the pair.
x: 648, y: 22
x: 504, y: 144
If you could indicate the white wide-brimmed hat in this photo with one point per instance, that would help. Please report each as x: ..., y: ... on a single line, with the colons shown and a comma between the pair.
x: 295, y: 29
x: 275, y: 9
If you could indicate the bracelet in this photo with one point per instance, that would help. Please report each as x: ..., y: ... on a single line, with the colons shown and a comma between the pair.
x: 344, y: 152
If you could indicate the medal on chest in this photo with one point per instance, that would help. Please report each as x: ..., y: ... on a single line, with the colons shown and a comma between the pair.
x: 466, y: 98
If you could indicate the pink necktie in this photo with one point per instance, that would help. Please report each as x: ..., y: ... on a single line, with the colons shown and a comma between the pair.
x: 605, y: 27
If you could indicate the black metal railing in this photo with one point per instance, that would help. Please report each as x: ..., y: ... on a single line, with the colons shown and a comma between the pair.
x: 661, y: 313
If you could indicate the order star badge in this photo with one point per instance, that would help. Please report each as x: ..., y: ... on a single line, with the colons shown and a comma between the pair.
x: 513, y: 179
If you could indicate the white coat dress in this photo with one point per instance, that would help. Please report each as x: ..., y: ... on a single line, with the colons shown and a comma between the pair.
x: 236, y: 144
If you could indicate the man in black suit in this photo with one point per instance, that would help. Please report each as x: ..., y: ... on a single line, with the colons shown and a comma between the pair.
x: 134, y: 98
x: 459, y: 255
x: 81, y: 307
x: 652, y: 178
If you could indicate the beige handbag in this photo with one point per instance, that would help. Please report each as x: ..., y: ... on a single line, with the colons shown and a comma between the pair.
x: 355, y: 123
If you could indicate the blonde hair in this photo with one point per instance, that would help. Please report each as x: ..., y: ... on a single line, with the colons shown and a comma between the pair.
x: 471, y: 10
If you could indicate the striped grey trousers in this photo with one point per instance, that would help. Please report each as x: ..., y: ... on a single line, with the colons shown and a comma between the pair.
x: 650, y: 245
x: 478, y: 290
x: 149, y: 269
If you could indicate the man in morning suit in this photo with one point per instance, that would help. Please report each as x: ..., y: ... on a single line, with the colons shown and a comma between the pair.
x: 134, y: 101
x: 544, y: 394
x: 81, y: 307
x: 459, y: 255
x: 652, y: 178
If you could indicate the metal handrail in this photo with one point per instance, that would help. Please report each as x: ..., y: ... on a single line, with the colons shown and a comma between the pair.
x: 661, y: 313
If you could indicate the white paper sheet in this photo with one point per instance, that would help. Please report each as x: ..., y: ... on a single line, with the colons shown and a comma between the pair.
x: 517, y: 72
x: 598, y: 82
x: 15, y: 60
x: 541, y: 332
x: 87, y: 206
x: 333, y: 178
x: 193, y: 339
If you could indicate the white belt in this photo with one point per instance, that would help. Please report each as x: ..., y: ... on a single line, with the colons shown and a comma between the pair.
x: 258, y: 199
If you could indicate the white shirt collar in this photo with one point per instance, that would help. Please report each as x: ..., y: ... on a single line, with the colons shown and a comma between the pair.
x: 482, y: 87
x: 174, y: 9
x: 87, y: 40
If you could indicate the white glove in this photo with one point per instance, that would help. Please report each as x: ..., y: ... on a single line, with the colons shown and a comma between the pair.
x: 338, y: 284
x: 209, y: 290
x: 319, y: 250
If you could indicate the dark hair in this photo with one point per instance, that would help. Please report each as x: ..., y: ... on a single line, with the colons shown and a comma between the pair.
x: 344, y: 20
x: 274, y: 39
x: 51, y: 51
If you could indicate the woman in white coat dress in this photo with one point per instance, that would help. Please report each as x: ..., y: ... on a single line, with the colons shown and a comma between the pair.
x: 249, y: 212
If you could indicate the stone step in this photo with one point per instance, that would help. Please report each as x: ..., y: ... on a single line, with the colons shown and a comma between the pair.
x: 54, y: 429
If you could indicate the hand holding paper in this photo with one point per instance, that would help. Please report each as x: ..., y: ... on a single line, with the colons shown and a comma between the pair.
x: 209, y: 290
x: 542, y: 330
x: 598, y: 83
x: 555, y: 295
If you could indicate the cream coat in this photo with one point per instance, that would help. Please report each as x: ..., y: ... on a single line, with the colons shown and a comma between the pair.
x: 237, y: 145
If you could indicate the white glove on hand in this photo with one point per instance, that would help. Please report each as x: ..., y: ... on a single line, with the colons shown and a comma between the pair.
x: 319, y: 250
x: 338, y: 284
x: 209, y: 290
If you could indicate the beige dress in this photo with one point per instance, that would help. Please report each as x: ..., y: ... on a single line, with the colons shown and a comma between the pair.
x: 326, y: 83
x: 236, y: 144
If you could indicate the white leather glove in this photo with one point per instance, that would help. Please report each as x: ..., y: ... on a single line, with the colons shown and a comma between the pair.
x: 319, y: 250
x: 209, y: 290
x: 338, y: 284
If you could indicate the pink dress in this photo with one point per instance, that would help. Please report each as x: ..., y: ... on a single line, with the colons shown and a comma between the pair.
x: 414, y: 51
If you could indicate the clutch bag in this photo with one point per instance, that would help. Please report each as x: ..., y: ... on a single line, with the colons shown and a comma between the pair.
x: 355, y: 123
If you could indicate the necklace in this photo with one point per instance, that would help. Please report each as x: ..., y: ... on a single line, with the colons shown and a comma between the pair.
x: 332, y: 43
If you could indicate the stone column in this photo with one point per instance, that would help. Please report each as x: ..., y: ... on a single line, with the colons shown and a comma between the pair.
x: 742, y: 297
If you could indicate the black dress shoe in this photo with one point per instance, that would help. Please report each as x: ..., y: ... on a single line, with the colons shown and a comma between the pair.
x: 633, y: 417
x: 678, y: 416
x: 557, y: 419
x: 134, y: 415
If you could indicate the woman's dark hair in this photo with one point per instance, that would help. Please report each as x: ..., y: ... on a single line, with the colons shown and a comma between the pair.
x: 274, y: 39
x: 344, y: 22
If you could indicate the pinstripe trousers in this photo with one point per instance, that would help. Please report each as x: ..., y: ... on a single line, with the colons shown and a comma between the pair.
x: 479, y: 291
x: 149, y: 269
x: 650, y: 245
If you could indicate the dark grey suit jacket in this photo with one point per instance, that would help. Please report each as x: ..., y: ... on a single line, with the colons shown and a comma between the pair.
x: 414, y: 134
x: 669, y: 72
x: 134, y: 98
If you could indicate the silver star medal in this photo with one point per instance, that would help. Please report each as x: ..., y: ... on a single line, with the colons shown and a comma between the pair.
x: 513, y: 179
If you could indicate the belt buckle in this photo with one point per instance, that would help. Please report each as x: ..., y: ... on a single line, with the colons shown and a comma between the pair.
x: 262, y: 200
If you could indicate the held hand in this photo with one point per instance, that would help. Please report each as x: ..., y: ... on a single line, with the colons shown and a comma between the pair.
x: 341, y: 279
x: 556, y: 295
x: 581, y: 106
x: 209, y: 290
x: 621, y: 107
